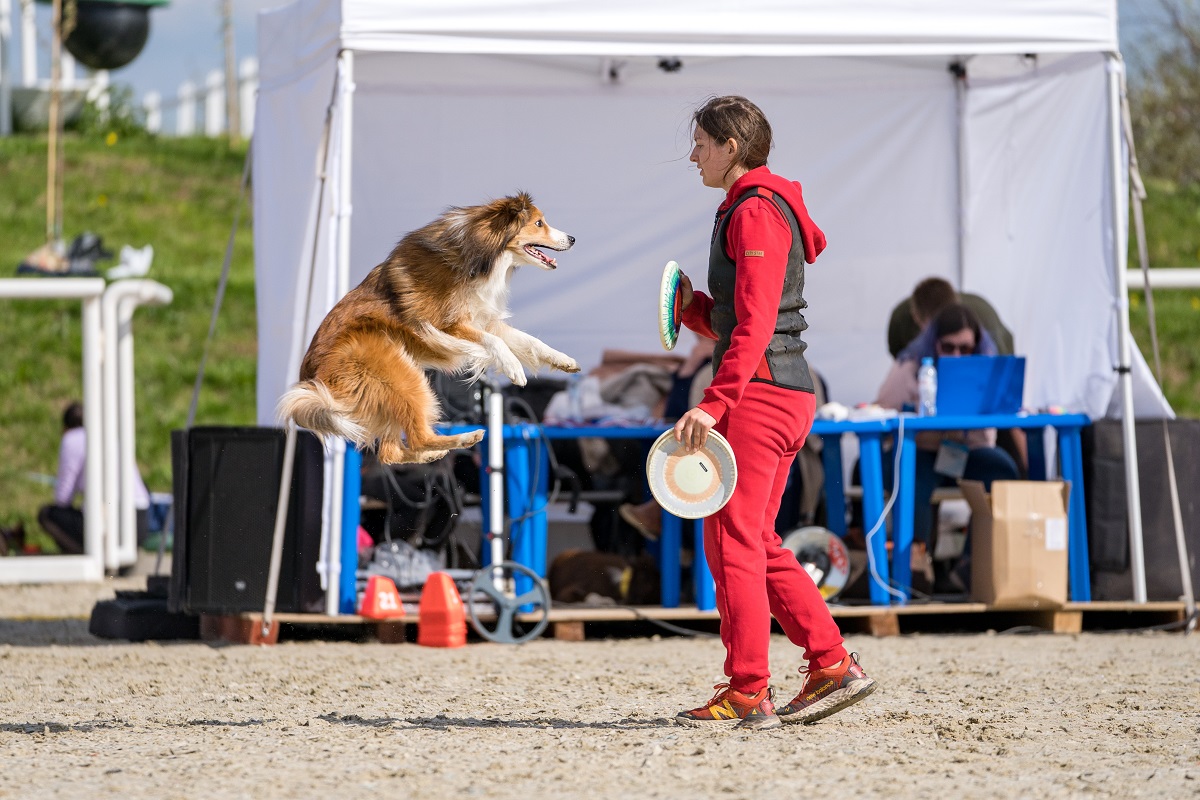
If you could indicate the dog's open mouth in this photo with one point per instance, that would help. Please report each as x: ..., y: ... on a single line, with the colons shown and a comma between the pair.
x: 540, y: 256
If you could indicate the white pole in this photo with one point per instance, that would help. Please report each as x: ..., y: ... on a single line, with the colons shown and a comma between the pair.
x: 281, y: 509
x: 108, y: 411
x: 93, y: 423
x: 495, y: 427
x: 185, y: 114
x: 68, y: 70
x: 214, y: 103
x: 1166, y: 278
x: 1119, y: 191
x: 134, y: 293
x: 343, y: 211
x: 152, y: 103
x: 247, y: 94
x: 960, y: 111
x: 5, y: 71
x: 28, y: 44
x: 120, y: 298
x: 100, y: 92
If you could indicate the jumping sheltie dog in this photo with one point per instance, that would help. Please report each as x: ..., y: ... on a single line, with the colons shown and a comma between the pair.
x: 440, y: 301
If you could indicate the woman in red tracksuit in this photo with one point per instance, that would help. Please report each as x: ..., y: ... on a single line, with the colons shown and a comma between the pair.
x: 761, y: 399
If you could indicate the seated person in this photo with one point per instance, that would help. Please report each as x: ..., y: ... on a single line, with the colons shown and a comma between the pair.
x: 956, y: 331
x: 62, y: 519
x: 910, y: 337
x: 911, y: 317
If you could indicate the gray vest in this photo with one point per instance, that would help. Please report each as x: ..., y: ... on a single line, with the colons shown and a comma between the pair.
x: 785, y: 353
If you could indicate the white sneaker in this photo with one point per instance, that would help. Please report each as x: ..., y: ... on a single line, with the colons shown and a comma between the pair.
x: 135, y: 263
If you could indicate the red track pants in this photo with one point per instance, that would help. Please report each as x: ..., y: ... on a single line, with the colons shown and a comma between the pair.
x: 755, y: 577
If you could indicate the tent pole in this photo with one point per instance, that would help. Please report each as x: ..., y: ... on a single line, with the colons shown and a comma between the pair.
x: 1132, y: 484
x: 958, y: 69
x: 342, y: 212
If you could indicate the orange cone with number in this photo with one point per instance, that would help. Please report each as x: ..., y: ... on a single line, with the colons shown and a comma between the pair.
x: 381, y: 600
x: 442, y: 622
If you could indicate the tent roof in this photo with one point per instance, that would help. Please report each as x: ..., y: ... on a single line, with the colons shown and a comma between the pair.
x: 706, y: 27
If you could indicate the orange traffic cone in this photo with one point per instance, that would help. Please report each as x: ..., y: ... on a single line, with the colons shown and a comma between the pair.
x: 381, y: 599
x: 442, y: 622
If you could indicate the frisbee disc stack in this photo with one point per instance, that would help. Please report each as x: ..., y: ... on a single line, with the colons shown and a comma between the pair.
x: 670, y: 305
x: 691, y: 485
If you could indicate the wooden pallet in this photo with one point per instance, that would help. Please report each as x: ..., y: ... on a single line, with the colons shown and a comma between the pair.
x: 571, y: 623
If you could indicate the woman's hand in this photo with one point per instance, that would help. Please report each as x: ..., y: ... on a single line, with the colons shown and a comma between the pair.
x: 691, y: 431
x: 685, y: 290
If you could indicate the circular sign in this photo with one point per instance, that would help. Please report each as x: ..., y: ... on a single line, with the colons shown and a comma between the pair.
x: 691, y: 485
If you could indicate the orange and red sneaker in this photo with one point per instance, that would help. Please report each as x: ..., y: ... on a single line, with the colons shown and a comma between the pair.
x: 753, y: 711
x: 827, y: 691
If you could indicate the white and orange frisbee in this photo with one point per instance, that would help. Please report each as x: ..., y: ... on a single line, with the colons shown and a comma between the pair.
x: 691, y: 485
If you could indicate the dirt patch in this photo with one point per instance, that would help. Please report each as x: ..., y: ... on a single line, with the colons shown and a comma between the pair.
x: 1106, y: 715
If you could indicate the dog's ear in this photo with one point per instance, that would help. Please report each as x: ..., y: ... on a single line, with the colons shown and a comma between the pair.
x: 495, y: 226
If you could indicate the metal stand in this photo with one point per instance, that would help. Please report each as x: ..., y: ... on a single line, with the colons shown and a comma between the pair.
x: 497, y: 582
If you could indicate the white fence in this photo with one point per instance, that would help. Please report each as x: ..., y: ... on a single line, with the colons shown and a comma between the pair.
x: 201, y: 109
x: 195, y: 110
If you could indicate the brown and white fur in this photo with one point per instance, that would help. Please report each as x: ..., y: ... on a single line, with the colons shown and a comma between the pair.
x: 438, y: 301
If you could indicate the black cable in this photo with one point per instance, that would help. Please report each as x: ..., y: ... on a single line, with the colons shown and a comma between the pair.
x: 668, y: 626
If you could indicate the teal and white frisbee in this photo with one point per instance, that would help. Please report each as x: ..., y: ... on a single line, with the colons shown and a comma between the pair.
x: 670, y: 305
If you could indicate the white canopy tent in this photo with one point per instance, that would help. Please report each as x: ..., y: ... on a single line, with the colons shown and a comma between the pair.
x: 976, y: 141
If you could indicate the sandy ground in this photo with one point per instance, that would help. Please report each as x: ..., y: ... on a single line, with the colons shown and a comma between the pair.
x: 1094, y: 715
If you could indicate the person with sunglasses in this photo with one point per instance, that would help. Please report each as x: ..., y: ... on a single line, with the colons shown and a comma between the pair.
x: 956, y: 331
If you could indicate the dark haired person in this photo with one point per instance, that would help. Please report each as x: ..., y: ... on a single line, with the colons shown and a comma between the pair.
x: 761, y: 400
x: 908, y: 326
x: 62, y: 519
x: 956, y: 332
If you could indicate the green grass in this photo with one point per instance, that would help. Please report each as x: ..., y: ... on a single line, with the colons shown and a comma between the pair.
x: 1173, y: 240
x: 181, y: 195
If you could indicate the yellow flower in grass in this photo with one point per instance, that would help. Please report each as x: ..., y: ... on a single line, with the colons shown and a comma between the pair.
x: 102, y: 200
x: 111, y: 139
x: 1196, y: 304
x: 1135, y: 301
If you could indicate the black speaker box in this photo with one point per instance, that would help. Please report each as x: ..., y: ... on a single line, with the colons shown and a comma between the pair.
x: 1107, y: 507
x: 226, y: 483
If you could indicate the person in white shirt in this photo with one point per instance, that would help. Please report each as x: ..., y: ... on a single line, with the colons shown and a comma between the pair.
x: 62, y: 519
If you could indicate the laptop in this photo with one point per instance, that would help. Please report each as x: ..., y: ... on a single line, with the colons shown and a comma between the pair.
x: 980, y: 385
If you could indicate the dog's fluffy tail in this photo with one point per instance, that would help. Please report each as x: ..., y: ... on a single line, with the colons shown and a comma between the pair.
x: 311, y: 405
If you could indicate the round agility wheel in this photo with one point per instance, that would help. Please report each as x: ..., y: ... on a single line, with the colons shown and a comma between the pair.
x: 518, y: 617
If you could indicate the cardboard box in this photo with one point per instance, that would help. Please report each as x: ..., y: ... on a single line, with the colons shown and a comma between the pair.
x: 1018, y: 543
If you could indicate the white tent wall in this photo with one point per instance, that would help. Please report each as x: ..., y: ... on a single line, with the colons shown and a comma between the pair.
x: 607, y: 162
x: 1038, y: 213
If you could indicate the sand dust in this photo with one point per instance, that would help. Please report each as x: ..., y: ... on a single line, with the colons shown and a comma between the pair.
x: 965, y: 716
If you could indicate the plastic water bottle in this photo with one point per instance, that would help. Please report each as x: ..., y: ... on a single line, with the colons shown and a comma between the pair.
x: 575, y: 398
x: 926, y: 388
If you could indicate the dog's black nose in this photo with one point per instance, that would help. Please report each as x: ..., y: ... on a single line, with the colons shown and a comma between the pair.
x: 571, y: 240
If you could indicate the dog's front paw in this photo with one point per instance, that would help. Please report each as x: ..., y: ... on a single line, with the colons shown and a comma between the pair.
x: 512, y: 369
x: 567, y: 365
